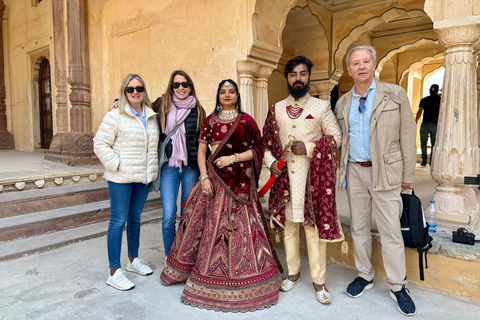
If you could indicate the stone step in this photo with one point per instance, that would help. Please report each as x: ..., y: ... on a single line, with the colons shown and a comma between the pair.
x: 30, y: 201
x: 45, y: 242
x: 55, y: 220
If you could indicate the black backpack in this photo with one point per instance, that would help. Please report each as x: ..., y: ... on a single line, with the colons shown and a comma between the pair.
x: 414, y: 234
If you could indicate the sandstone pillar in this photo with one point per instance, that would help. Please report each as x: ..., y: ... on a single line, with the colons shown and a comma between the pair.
x: 6, y: 138
x: 477, y: 52
x: 76, y: 147
x: 456, y: 147
x: 322, y: 88
x: 246, y: 71
x: 261, y: 95
x: 59, y: 47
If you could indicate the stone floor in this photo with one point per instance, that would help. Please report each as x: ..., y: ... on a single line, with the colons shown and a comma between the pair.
x: 69, y: 283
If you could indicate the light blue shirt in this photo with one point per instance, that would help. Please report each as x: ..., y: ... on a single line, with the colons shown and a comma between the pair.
x: 143, y: 116
x: 359, y: 126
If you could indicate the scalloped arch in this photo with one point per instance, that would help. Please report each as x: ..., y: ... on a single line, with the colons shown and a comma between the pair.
x: 369, y: 25
x: 400, y: 49
x: 418, y: 64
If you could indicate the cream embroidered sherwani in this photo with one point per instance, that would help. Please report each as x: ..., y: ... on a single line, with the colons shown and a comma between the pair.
x: 316, y: 120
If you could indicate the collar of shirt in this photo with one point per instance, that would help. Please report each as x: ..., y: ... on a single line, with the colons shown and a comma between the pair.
x: 370, y: 94
x: 301, y: 102
x: 142, y: 116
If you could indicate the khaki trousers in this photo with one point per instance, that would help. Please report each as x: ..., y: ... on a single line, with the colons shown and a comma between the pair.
x: 317, y: 251
x: 386, y: 207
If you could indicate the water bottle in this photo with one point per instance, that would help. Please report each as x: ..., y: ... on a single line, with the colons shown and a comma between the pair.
x: 431, y: 215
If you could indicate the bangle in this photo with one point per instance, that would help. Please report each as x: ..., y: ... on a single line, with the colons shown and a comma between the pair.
x: 231, y: 159
x: 202, y: 178
x: 237, y: 157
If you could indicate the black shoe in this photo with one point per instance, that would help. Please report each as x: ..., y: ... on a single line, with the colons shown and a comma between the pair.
x: 424, y: 163
x: 404, y: 303
x: 358, y: 286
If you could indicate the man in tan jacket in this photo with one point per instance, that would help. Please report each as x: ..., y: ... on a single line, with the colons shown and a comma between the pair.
x: 377, y: 162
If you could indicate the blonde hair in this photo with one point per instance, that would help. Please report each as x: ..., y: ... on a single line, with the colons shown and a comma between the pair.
x: 166, y: 102
x: 122, y: 95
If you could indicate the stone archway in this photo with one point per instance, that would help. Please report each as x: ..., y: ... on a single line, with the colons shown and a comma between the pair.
x: 273, y: 29
x: 36, y: 114
x: 416, y: 64
x: 404, y: 47
x: 45, y: 104
x: 368, y: 26
x: 268, y: 22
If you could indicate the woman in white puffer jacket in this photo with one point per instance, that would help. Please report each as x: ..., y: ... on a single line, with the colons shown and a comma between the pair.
x: 126, y: 143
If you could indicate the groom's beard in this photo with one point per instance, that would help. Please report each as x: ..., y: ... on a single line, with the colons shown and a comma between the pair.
x: 298, y: 92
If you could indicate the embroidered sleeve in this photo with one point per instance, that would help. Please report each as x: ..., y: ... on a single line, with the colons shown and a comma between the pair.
x: 205, y: 132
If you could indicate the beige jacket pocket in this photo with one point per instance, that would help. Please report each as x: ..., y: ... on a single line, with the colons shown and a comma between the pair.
x: 393, y: 167
x: 390, y: 115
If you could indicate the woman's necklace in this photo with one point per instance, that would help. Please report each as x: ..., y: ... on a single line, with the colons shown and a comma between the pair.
x: 294, y: 112
x: 228, y: 114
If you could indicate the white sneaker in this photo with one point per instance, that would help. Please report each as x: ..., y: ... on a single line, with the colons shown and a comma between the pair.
x: 137, y: 266
x: 119, y: 281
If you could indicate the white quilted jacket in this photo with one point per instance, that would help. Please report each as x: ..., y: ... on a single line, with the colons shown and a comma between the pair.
x: 127, y: 149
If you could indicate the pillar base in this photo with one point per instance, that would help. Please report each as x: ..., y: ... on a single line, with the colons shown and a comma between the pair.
x: 456, y: 206
x: 73, y: 149
x: 6, y: 141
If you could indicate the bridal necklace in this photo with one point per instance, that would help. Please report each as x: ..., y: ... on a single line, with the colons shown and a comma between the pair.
x: 228, y: 114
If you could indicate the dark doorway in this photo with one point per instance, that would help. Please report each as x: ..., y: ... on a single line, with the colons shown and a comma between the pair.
x: 45, y: 99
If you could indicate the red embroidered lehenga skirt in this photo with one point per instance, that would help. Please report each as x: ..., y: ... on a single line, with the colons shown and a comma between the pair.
x: 223, y: 253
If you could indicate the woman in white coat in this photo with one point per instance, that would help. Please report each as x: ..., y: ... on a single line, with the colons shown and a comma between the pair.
x: 126, y: 143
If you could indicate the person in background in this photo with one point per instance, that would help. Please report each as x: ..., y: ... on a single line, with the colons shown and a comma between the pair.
x: 430, y: 106
x: 377, y: 162
x: 222, y: 249
x: 126, y: 143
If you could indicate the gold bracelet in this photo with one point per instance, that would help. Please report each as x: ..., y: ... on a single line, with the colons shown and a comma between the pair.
x: 237, y: 157
x: 202, y: 178
x: 231, y: 160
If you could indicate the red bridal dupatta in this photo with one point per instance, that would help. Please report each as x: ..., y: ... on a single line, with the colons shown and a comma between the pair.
x: 222, y: 249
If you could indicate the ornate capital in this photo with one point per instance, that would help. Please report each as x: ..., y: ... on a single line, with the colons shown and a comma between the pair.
x: 263, y: 72
x: 247, y: 68
x: 323, y: 87
x: 466, y: 36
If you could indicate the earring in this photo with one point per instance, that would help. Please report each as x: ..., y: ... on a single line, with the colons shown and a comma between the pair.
x: 236, y: 105
x: 219, y: 107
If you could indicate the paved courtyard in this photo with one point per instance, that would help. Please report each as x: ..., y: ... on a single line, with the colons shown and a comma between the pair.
x: 69, y: 283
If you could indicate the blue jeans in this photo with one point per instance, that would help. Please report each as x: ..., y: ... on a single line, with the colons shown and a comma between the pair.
x: 169, y: 185
x: 126, y: 206
x: 426, y: 129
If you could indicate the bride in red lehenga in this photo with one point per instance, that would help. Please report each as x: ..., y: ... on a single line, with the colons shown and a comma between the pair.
x: 222, y: 249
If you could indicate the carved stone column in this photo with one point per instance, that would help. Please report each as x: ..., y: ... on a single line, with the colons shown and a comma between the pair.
x: 6, y: 138
x: 477, y: 54
x: 76, y: 147
x: 246, y: 71
x: 322, y: 88
x: 456, y: 147
x: 59, y: 47
x: 261, y: 94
